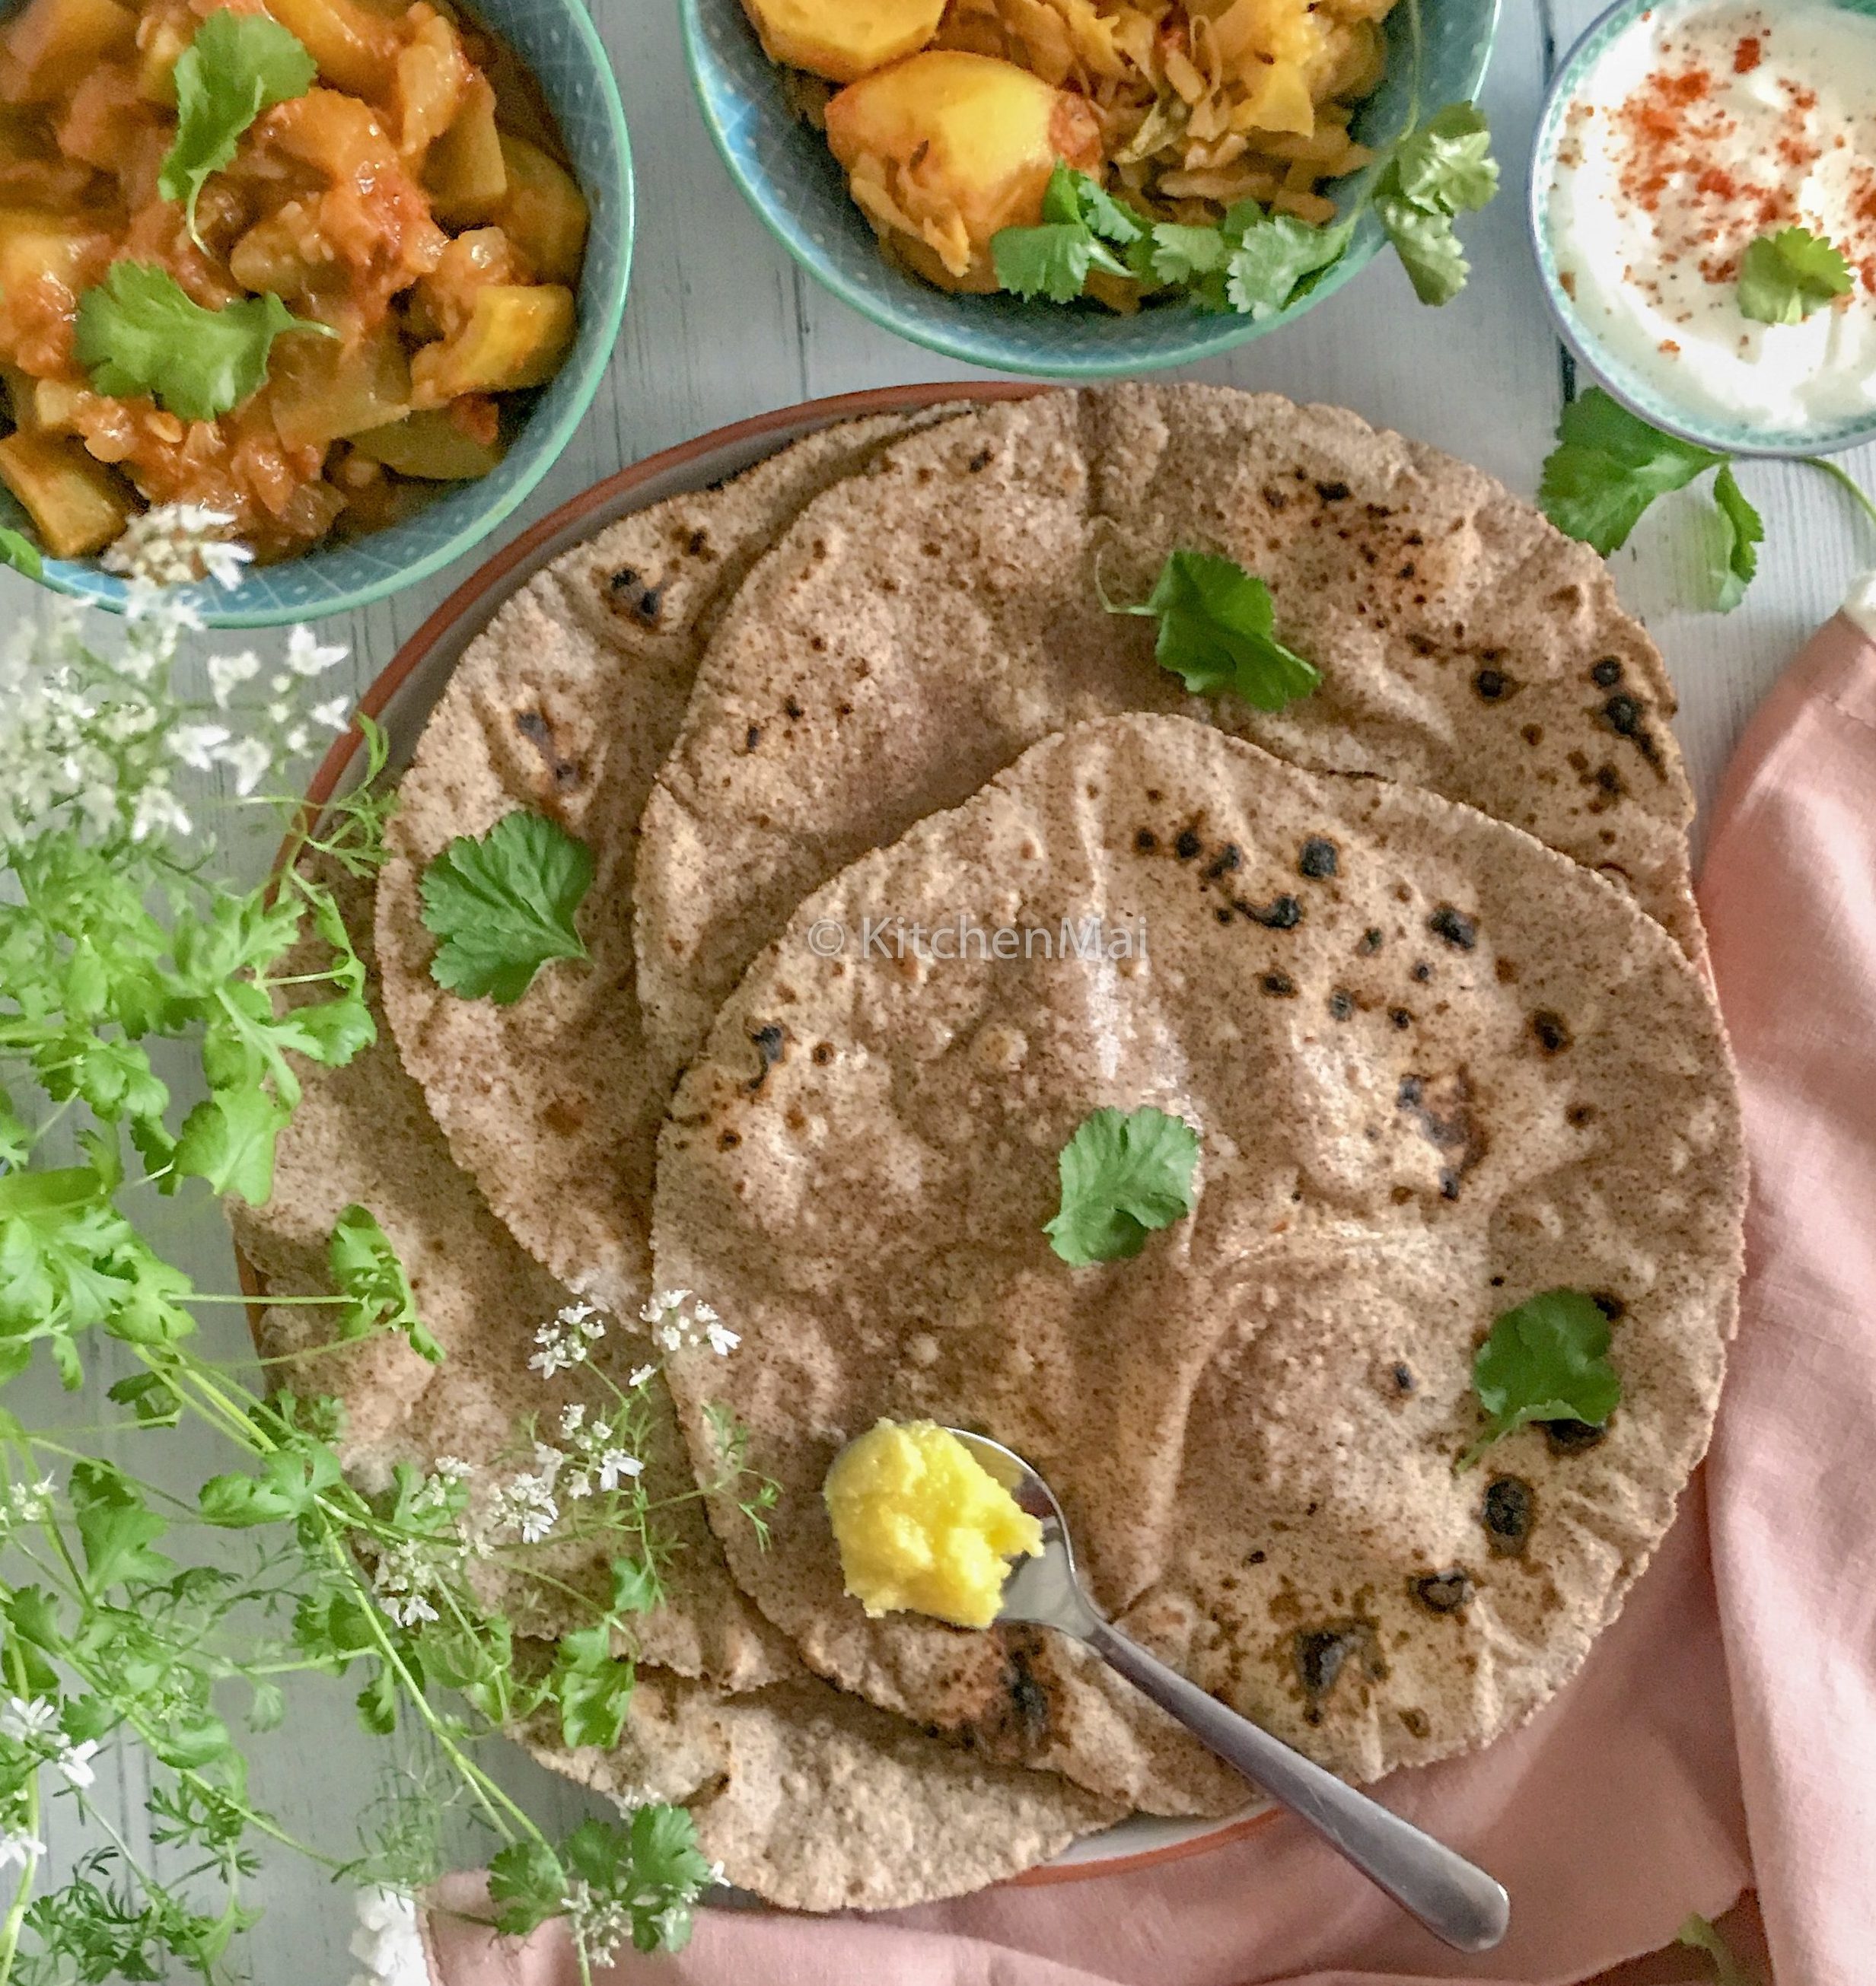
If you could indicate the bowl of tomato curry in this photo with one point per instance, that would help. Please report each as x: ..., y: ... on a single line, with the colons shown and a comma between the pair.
x: 346, y: 272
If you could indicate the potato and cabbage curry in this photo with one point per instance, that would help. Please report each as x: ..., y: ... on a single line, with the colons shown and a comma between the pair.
x: 952, y: 119
x: 279, y: 262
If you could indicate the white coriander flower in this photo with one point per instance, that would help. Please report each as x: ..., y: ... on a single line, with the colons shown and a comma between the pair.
x: 74, y: 1760
x: 640, y: 1375
x: 307, y: 656
x: 227, y: 673
x: 335, y: 714
x: 723, y: 1340
x: 192, y: 745
x: 702, y: 1313
x: 18, y: 1847
x: 388, y: 1942
x: 297, y: 737
x: 31, y: 1503
x: 583, y: 1318
x: 250, y: 760
x: 663, y: 1304
x: 158, y: 812
x: 577, y: 1484
x: 615, y: 1464
x: 669, y: 1337
x: 223, y: 562
x: 406, y: 1610
x: 571, y: 1419
x: 452, y: 1469
x: 24, y: 1720
x: 601, y: 1923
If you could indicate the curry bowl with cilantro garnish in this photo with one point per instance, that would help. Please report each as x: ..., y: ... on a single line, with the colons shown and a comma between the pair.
x: 1095, y: 186
x: 326, y: 269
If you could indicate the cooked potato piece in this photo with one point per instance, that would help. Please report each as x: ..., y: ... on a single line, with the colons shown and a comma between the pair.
x: 321, y: 391
x: 430, y: 446
x: 431, y: 76
x: 34, y: 244
x: 1280, y: 101
x: 160, y: 42
x: 517, y: 335
x: 285, y: 253
x: 465, y: 174
x: 77, y: 505
x: 960, y: 145
x: 544, y: 212
x: 51, y: 44
x: 354, y: 49
x: 843, y: 39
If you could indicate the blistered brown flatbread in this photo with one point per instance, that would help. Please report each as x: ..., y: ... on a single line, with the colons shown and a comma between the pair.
x: 566, y: 705
x: 1435, y: 1068
x: 912, y: 634
x: 810, y: 1799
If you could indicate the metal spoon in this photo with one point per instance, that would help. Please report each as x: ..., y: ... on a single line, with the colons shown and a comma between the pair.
x: 1456, y: 1902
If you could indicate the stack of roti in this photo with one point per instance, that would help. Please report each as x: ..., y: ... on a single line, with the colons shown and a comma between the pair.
x: 1416, y: 958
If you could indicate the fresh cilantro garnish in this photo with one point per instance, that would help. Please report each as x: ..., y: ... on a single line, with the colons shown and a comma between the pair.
x: 504, y: 905
x: 640, y: 1869
x: 1079, y: 220
x: 371, y: 1277
x: 20, y: 553
x: 1274, y: 258
x: 1124, y: 1173
x: 1216, y: 632
x: 1609, y: 467
x: 1735, y: 559
x: 238, y: 65
x: 1545, y: 1361
x: 140, y: 332
x: 1442, y: 169
x: 1783, y: 278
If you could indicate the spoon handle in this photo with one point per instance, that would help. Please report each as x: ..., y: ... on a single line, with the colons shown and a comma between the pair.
x: 1459, y: 1903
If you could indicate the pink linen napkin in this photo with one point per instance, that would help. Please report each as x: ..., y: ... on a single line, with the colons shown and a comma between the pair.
x: 1618, y: 1809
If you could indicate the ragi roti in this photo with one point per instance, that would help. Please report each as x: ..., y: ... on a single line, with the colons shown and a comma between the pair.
x: 913, y: 633
x: 1435, y: 1068
x: 565, y: 706
x: 809, y: 1798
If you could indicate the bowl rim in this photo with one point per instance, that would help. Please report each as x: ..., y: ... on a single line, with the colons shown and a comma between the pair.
x: 85, y: 580
x: 1791, y: 446
x: 1208, y: 334
x: 482, y: 593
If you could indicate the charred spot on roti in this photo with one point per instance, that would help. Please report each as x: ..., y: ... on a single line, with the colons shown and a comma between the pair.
x: 751, y: 738
x: 628, y: 592
x: 1318, y: 859
x: 1626, y: 716
x: 1459, y: 931
x: 1552, y: 1031
x: 1611, y: 1306
x: 1188, y: 847
x: 1443, y: 1592
x: 1334, y: 492
x: 1415, y: 1723
x: 1401, y: 1017
x: 1322, y: 1656
x: 980, y: 461
x: 1279, y: 986
x: 1028, y: 1699
x: 1508, y: 1514
x: 727, y: 1140
x: 1493, y: 685
x: 1607, y: 673
x: 1229, y: 857
x: 791, y: 708
x: 770, y: 1043
x: 1372, y: 939
x: 534, y: 726
x: 1403, y: 1376
x: 1341, y: 1005
x: 1423, y: 971
x: 1145, y: 840
x: 1282, y: 913
x: 1532, y: 734
x: 1441, y: 1110
x: 1572, y: 1437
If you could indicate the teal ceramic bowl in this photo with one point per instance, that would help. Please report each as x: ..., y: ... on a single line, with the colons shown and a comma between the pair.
x: 787, y: 174
x: 554, y: 39
x: 1642, y: 395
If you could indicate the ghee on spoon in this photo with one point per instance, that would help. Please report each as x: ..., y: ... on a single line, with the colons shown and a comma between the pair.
x: 1459, y: 1903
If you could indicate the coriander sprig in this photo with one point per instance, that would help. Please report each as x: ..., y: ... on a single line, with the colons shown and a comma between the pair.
x: 1610, y: 465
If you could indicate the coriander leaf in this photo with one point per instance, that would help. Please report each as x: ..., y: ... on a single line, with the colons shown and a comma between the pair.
x: 1700, y: 1934
x: 1447, y: 162
x: 1180, y: 254
x: 1784, y: 277
x: 636, y: 1588
x: 115, y: 1528
x: 150, y: 1397
x: 593, y: 1690
x: 527, y: 1884
x: 237, y: 1502
x: 1050, y: 260
x: 228, y: 1140
x: 504, y: 905
x: 371, y: 1277
x: 1216, y: 632
x: 1123, y: 1174
x: 1274, y: 257
x: 377, y: 1703
x: 1608, y: 466
x: 140, y: 332
x: 238, y: 65
x: 1113, y: 220
x: 1428, y: 248
x: 20, y: 553
x: 664, y: 1851
x: 1547, y: 1360
x: 1741, y: 533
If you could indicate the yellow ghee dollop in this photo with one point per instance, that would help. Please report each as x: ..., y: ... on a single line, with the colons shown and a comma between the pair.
x: 923, y: 1526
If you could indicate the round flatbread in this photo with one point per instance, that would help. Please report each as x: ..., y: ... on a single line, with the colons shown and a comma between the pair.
x: 1434, y: 1069
x: 810, y: 1799
x: 565, y: 706
x: 913, y: 632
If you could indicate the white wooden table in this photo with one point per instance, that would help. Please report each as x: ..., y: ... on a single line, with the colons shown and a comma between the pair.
x: 720, y: 325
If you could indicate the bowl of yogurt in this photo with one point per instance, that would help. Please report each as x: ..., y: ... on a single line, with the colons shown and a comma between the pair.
x: 1703, y: 207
